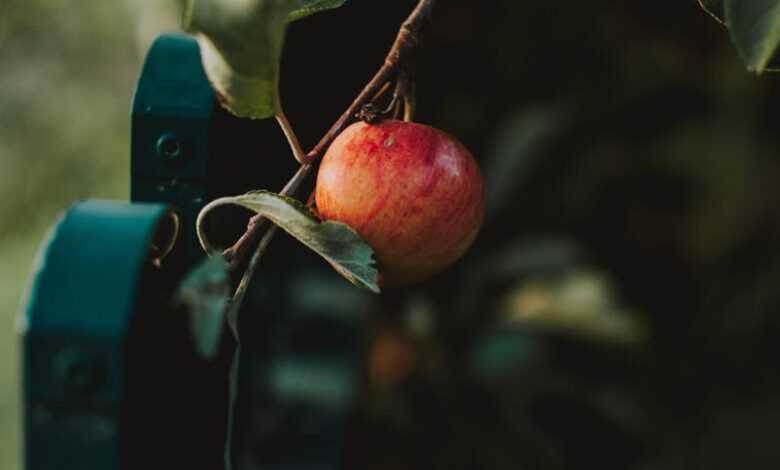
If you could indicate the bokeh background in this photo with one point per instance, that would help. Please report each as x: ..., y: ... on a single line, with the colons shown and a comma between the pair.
x: 67, y: 74
x: 626, y: 276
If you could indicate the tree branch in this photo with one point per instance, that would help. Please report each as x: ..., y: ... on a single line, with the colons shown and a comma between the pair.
x: 406, y: 43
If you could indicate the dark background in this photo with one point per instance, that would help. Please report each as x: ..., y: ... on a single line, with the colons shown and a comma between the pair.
x: 629, y: 256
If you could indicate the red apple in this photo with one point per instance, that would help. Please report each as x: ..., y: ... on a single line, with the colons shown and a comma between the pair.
x: 412, y: 192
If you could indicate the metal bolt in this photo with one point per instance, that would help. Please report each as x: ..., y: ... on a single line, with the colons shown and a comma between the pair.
x: 170, y: 147
x: 80, y: 375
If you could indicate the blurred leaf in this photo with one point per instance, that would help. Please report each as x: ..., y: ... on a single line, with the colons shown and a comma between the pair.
x: 241, y: 44
x: 517, y: 146
x: 420, y: 315
x: 529, y: 256
x: 326, y: 382
x: 328, y: 295
x: 206, y: 293
x: 542, y: 255
x: 341, y: 246
x: 755, y: 30
x: 497, y: 352
x: 581, y: 304
x: 714, y: 8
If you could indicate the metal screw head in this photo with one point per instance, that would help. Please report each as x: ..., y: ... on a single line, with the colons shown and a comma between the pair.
x: 170, y: 147
x: 80, y: 375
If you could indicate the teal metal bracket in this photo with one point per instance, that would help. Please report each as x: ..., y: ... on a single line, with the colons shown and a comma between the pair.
x: 75, y: 331
x: 172, y: 116
x: 111, y: 377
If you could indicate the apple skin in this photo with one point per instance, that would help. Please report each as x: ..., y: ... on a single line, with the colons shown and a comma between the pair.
x: 412, y: 192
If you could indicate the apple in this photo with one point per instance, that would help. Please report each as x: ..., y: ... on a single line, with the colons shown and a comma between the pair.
x: 412, y: 192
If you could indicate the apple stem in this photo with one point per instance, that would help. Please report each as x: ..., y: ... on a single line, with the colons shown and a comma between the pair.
x: 405, y: 45
x: 410, y: 99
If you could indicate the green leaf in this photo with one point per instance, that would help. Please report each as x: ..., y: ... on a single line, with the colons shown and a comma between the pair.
x: 336, y: 242
x: 714, y: 8
x: 310, y: 7
x: 206, y: 293
x: 755, y: 30
x: 241, y: 44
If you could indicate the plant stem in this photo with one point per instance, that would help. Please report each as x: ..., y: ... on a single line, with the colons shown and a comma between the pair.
x: 238, y: 296
x: 292, y: 139
x: 381, y: 91
x: 236, y: 254
x: 406, y: 43
x: 410, y: 99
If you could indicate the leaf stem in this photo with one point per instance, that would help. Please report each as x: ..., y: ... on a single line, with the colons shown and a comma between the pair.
x: 236, y: 254
x: 292, y: 139
x: 243, y: 285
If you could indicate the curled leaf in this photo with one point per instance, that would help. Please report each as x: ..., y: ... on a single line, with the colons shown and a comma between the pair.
x: 241, y: 44
x: 206, y: 293
x: 336, y: 242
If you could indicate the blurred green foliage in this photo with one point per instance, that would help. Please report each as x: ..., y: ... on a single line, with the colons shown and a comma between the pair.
x: 66, y: 78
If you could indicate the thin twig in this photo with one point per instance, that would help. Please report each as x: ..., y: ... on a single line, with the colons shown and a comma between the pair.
x: 292, y: 139
x: 406, y: 42
x: 381, y: 91
x: 243, y: 285
x: 238, y: 252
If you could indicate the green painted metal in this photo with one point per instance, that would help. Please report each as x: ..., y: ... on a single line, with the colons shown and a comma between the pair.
x: 109, y: 371
x: 172, y: 113
x: 75, y: 327
x: 173, y: 104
